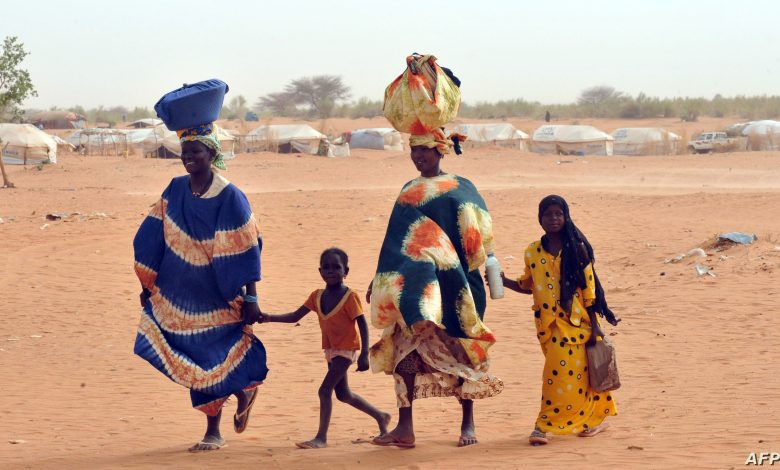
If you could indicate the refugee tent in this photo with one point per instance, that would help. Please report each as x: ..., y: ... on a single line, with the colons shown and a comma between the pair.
x: 645, y: 141
x: 137, y: 136
x: 145, y: 123
x: 503, y: 134
x: 99, y: 141
x: 285, y: 138
x: 762, y: 135
x: 571, y: 140
x: 62, y: 144
x: 24, y: 144
x: 163, y: 143
x: 57, y: 120
x: 376, y: 138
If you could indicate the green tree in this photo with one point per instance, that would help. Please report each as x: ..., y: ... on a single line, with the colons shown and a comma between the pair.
x: 15, y: 83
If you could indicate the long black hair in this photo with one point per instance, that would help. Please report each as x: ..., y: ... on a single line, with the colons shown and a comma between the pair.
x: 575, y: 256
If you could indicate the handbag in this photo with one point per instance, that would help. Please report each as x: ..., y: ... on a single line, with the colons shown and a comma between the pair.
x: 602, y: 366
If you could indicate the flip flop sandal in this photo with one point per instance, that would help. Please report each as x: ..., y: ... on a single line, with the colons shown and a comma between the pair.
x: 305, y: 445
x: 214, y: 446
x: 238, y: 425
x: 592, y: 432
x: 388, y: 441
x: 537, y: 438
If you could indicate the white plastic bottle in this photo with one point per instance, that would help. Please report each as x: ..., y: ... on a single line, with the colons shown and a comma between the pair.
x: 493, y: 271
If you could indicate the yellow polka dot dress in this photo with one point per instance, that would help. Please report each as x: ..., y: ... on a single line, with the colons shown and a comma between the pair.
x: 568, y: 404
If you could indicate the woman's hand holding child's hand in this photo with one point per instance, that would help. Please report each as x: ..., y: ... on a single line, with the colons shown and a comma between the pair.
x: 362, y: 362
x: 144, y: 296
x: 368, y: 292
x: 250, y: 312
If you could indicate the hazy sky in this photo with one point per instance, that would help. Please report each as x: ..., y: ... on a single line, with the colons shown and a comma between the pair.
x: 130, y: 53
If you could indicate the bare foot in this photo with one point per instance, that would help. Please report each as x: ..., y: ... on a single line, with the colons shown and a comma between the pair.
x: 467, y: 440
x: 592, y: 432
x: 208, y: 443
x: 468, y: 436
x: 383, y: 422
x: 315, y: 443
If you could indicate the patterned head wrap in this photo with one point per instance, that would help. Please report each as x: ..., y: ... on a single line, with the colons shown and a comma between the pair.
x: 438, y: 140
x: 205, y: 135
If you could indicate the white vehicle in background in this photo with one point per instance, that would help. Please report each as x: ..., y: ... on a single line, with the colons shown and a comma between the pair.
x: 709, y: 142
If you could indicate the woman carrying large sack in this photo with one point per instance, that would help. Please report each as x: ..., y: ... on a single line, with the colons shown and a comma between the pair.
x: 427, y: 294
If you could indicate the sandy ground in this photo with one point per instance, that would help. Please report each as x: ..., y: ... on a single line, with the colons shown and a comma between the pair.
x: 697, y: 354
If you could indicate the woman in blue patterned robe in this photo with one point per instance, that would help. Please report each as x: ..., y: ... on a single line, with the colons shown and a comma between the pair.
x: 197, y: 255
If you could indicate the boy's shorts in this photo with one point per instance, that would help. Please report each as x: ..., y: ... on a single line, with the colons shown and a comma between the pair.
x: 350, y: 354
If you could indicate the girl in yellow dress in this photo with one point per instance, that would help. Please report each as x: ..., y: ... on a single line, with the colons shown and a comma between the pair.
x: 567, y: 296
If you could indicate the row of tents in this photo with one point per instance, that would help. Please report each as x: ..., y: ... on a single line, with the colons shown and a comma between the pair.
x: 27, y: 144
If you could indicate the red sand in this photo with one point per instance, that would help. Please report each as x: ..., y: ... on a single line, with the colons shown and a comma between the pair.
x: 701, y: 387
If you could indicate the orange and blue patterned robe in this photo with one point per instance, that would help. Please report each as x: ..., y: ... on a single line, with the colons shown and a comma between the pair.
x: 195, y: 255
x: 438, y: 235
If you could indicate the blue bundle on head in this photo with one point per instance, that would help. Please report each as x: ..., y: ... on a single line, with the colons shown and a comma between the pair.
x: 192, y: 105
x: 191, y: 111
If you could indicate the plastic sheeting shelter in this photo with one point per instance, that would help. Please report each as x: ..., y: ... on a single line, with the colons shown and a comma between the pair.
x: 25, y: 144
x: 99, y: 141
x: 762, y: 135
x: 58, y: 120
x: 145, y: 123
x: 502, y: 134
x: 571, y: 140
x: 284, y: 138
x: 645, y: 141
x: 377, y: 138
x: 162, y: 143
x: 62, y: 144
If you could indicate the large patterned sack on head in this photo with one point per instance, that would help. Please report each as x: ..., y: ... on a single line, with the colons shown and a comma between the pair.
x: 422, y: 98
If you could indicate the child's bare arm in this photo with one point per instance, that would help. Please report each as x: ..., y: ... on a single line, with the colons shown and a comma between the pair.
x: 511, y: 284
x: 291, y: 317
x: 363, y: 358
x: 594, y: 325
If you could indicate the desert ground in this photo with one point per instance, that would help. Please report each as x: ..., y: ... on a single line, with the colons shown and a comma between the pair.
x: 697, y: 354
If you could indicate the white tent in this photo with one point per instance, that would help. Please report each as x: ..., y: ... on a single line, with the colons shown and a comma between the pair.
x: 150, y: 141
x: 645, y: 141
x: 100, y: 141
x: 143, y: 123
x: 571, y: 140
x: 96, y: 135
x: 285, y: 138
x: 503, y: 134
x: 24, y: 144
x: 376, y: 138
x: 62, y: 144
x: 762, y: 135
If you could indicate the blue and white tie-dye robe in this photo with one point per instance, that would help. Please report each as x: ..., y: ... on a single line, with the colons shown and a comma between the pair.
x: 195, y: 255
